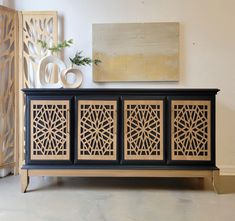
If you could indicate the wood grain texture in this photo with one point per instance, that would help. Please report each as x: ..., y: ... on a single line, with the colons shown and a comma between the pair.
x: 121, y: 173
x: 136, y: 52
x: 8, y: 86
x: 24, y: 178
x: 17, y: 125
x: 97, y: 123
x: 191, y: 130
x: 143, y: 130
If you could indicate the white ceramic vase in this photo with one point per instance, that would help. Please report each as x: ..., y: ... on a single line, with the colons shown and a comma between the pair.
x: 77, y: 78
x: 63, y: 74
x: 41, y: 74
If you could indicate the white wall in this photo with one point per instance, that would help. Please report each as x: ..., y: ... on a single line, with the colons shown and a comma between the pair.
x: 6, y: 3
x: 207, y: 46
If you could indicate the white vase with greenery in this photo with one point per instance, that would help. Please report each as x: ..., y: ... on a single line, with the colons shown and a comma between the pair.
x: 63, y: 72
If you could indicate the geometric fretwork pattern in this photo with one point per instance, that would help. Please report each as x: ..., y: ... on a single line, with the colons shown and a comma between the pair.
x: 143, y: 130
x: 97, y: 130
x: 190, y: 130
x: 49, y: 130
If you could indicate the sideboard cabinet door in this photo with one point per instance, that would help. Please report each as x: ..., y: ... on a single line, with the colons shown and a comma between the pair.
x: 96, y: 130
x: 191, y: 131
x: 49, y: 130
x: 143, y: 126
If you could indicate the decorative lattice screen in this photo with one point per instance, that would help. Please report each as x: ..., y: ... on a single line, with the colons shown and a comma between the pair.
x: 190, y: 125
x: 33, y: 26
x: 97, y: 123
x: 143, y: 130
x: 8, y: 78
x: 36, y: 26
x: 19, y: 58
x: 50, y: 139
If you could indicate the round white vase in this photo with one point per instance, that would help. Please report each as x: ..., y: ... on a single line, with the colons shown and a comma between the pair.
x: 77, y: 78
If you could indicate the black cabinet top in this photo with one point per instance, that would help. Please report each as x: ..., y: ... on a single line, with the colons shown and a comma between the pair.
x: 119, y: 91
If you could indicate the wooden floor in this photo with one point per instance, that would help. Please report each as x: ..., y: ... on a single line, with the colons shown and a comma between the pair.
x: 116, y: 199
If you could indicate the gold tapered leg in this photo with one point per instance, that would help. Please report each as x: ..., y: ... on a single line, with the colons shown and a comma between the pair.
x: 24, y: 180
x: 215, y: 181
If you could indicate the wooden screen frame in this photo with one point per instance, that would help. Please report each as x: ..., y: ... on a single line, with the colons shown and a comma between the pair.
x: 13, y: 89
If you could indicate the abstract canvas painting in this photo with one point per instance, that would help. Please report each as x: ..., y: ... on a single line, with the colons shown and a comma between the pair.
x: 136, y: 52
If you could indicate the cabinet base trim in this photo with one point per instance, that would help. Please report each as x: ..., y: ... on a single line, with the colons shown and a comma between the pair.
x: 26, y: 173
x: 122, y: 173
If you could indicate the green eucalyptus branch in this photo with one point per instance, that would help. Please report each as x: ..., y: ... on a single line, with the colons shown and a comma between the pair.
x: 56, y: 48
x: 80, y: 60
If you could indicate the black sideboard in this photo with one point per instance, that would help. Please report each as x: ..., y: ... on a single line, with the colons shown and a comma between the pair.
x: 119, y: 133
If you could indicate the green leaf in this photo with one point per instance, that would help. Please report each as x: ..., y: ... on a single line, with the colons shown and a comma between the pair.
x: 81, y: 60
x: 56, y: 48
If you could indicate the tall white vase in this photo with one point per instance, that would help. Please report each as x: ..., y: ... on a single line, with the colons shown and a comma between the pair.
x: 41, y: 74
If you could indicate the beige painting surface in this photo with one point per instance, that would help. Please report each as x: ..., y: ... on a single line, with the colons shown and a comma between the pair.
x: 136, y: 52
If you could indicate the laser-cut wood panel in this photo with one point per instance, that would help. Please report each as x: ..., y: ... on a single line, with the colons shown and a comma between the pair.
x: 36, y: 26
x: 143, y: 130
x: 190, y: 130
x: 33, y: 26
x: 97, y: 122
x: 49, y: 130
x: 8, y: 86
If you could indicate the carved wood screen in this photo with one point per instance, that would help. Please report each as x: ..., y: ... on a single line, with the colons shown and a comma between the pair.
x: 190, y: 130
x: 33, y: 26
x: 36, y: 26
x: 143, y: 130
x: 97, y: 122
x: 49, y: 130
x: 8, y: 86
